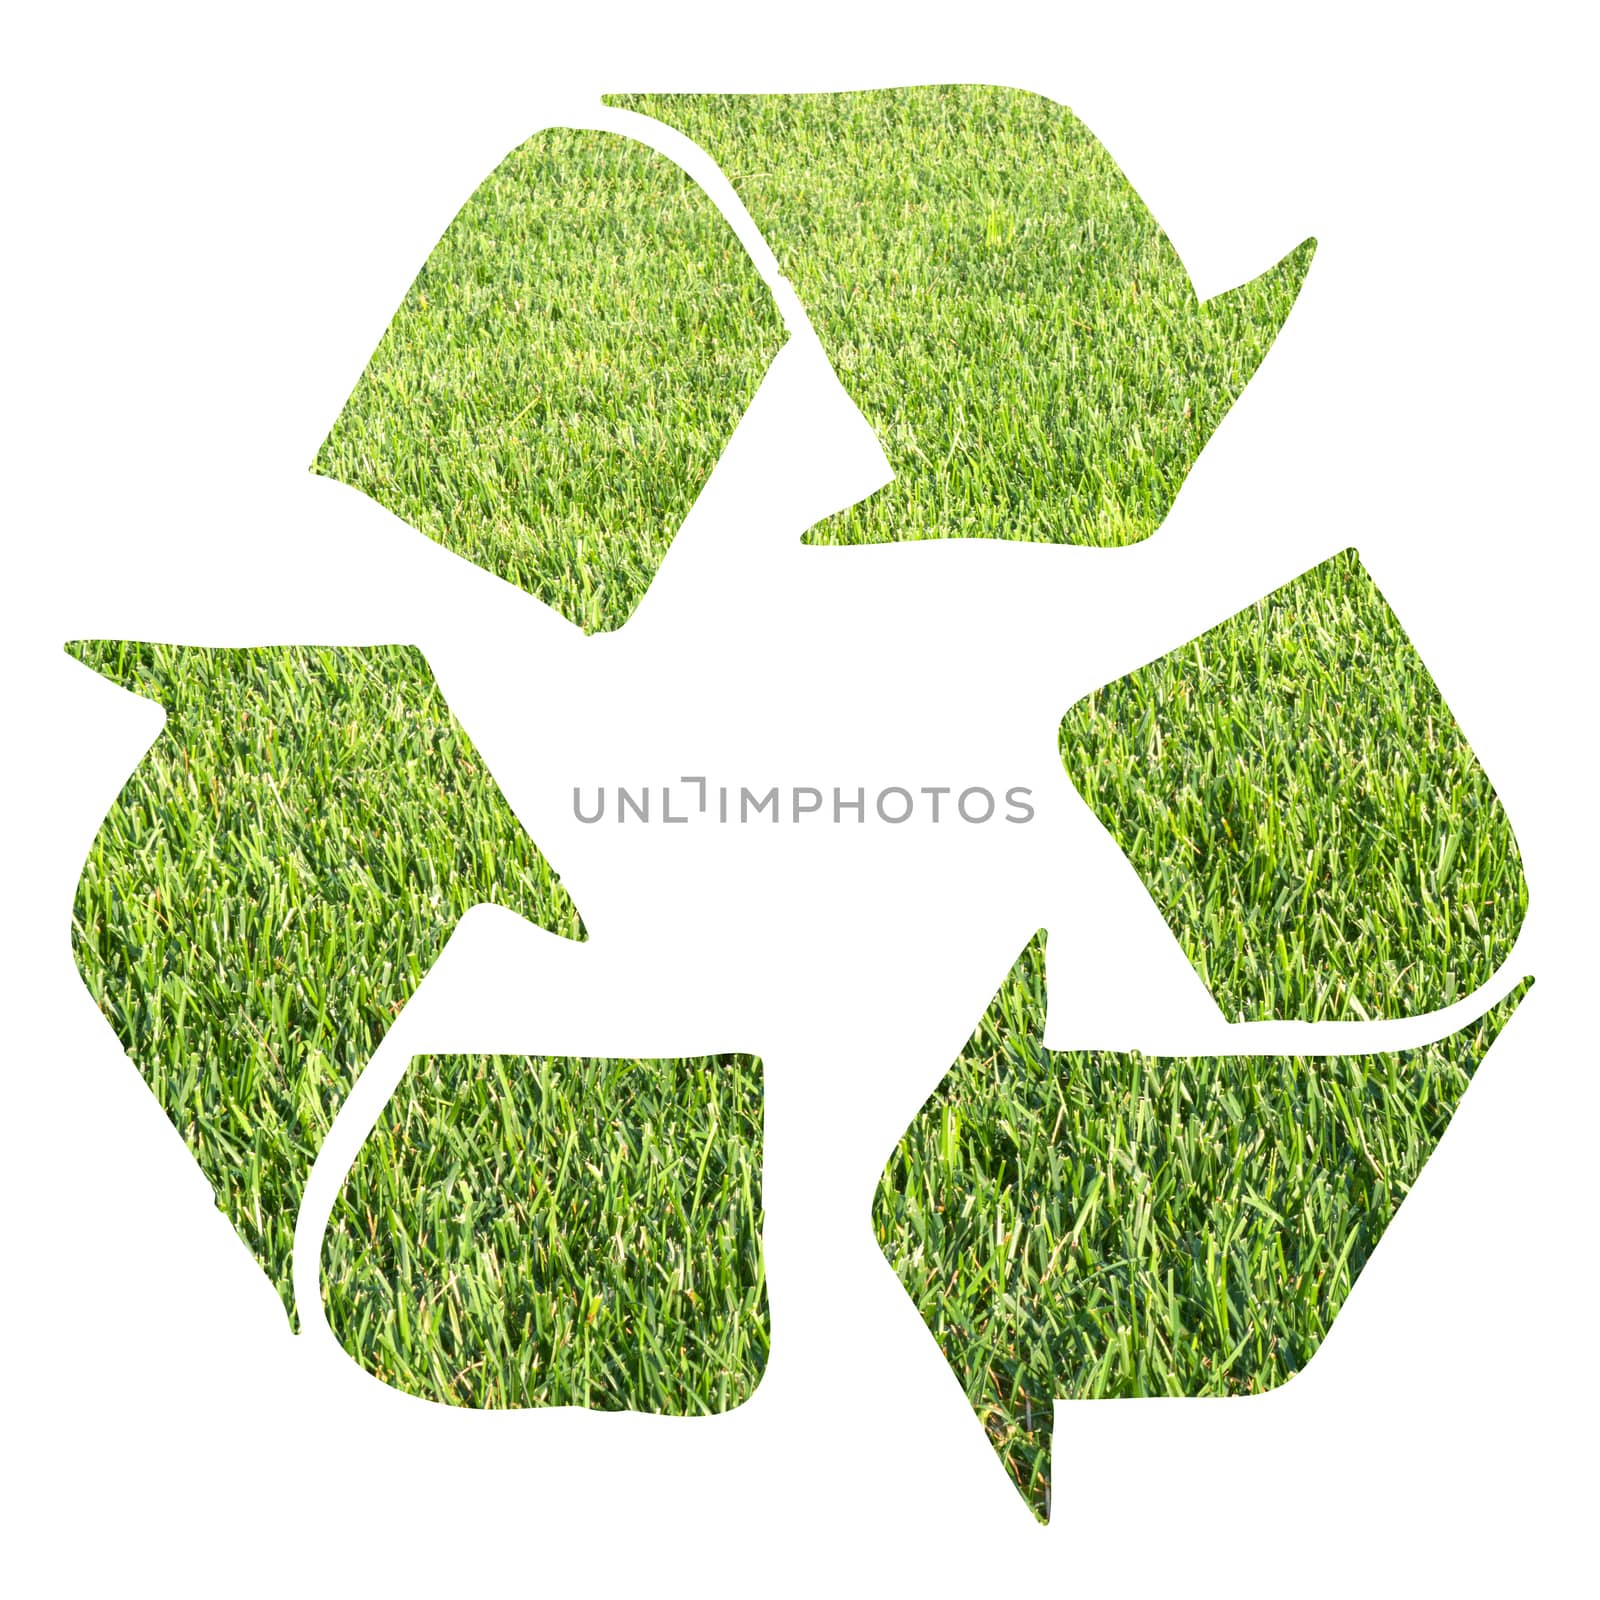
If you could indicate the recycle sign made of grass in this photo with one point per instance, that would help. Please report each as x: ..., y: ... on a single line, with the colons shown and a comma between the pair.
x: 285, y: 864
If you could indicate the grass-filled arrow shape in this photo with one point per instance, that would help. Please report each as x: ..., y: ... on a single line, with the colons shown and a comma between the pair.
x: 996, y: 299
x: 272, y: 884
x: 1091, y: 1224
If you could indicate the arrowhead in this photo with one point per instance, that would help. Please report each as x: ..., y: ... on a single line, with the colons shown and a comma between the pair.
x: 955, y: 1213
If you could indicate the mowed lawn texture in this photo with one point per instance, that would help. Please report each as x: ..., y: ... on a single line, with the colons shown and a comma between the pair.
x: 1304, y: 809
x: 561, y: 378
x: 272, y: 884
x: 996, y: 299
x: 1089, y: 1224
x: 548, y: 1231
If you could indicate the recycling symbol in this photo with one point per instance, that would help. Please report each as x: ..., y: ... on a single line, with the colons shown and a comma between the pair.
x: 293, y: 853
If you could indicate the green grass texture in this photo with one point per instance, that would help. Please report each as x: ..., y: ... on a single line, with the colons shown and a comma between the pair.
x: 1298, y: 799
x: 996, y: 299
x: 271, y: 886
x: 558, y: 1231
x: 1093, y: 1224
x: 564, y: 373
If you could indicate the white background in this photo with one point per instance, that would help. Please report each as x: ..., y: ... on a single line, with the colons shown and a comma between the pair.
x: 210, y: 219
